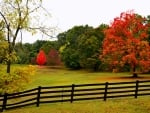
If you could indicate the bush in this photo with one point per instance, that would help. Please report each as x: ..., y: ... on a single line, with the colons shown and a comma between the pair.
x: 16, y: 80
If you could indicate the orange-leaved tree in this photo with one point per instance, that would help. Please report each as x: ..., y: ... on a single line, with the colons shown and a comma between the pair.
x: 126, y: 42
x: 41, y: 58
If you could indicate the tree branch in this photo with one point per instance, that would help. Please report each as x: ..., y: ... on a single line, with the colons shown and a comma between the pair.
x: 44, y: 30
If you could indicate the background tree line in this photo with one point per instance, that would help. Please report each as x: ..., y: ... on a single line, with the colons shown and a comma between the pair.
x: 27, y: 53
x: 77, y: 48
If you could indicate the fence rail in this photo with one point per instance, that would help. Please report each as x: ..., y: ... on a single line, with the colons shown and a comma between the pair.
x: 74, y: 92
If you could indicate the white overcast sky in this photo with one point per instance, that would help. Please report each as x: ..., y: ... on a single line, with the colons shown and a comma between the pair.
x: 68, y: 13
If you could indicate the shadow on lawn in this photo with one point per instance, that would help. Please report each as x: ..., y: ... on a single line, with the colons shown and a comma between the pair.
x: 124, y: 78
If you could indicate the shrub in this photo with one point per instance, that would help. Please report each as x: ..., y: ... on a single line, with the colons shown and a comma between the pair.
x: 16, y: 80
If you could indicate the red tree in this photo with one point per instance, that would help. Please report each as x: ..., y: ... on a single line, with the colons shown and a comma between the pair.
x: 41, y: 58
x: 53, y: 57
x: 126, y: 42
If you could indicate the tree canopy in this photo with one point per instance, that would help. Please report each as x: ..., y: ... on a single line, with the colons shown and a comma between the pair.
x: 126, y: 42
x: 79, y: 46
x: 41, y: 58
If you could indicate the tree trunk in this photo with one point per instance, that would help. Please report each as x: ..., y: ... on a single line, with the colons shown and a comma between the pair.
x: 8, y: 66
x: 135, y: 75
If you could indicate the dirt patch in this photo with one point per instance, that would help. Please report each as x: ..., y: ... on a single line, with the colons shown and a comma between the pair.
x: 54, y: 67
x: 112, y: 79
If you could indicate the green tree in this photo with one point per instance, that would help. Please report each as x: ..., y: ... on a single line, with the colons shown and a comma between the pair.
x: 89, y: 44
x: 48, y: 45
x: 23, y: 52
x: 69, y: 51
x: 36, y: 46
x: 61, y: 39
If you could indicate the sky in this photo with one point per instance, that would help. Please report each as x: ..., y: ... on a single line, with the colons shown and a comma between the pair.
x: 66, y: 14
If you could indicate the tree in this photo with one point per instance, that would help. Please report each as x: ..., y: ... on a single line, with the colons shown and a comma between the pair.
x: 18, y: 16
x: 148, y: 21
x: 61, y: 39
x: 53, y: 57
x: 89, y: 44
x: 69, y: 51
x: 126, y: 43
x: 17, y: 80
x: 49, y: 45
x: 3, y: 47
x: 41, y: 58
x: 79, y: 46
x: 23, y: 53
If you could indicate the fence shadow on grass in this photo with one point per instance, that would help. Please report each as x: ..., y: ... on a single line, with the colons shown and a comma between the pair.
x: 74, y: 92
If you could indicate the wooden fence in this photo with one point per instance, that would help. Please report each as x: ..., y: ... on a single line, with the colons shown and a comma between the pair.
x: 71, y: 93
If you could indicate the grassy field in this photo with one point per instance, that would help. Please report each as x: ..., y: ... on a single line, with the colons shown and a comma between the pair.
x: 130, y: 105
x: 46, y: 76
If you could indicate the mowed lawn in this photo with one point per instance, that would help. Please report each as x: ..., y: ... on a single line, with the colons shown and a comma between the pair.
x: 51, y: 76
x: 46, y: 76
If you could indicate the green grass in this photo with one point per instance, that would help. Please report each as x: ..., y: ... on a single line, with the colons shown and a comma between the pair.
x: 130, y: 105
x: 51, y: 77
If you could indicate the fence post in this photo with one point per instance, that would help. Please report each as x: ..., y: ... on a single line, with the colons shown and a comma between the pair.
x: 72, y: 92
x: 136, y: 89
x: 4, y: 102
x: 105, y: 93
x: 38, y: 96
x: 62, y: 94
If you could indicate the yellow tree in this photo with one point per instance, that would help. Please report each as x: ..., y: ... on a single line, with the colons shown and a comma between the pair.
x: 19, y: 16
x: 3, y: 47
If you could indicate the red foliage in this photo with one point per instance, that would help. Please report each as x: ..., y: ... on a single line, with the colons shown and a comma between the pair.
x: 41, y: 58
x: 126, y: 42
x: 53, y: 57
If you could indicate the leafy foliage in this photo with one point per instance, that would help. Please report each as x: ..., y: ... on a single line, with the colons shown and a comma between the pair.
x: 16, y: 80
x: 69, y: 51
x: 126, y: 42
x: 53, y: 57
x: 34, y: 49
x: 89, y: 44
x: 41, y: 58
x: 3, y: 47
x: 79, y: 47
x: 4, y: 53
x: 48, y: 45
x: 23, y: 53
x: 71, y: 58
